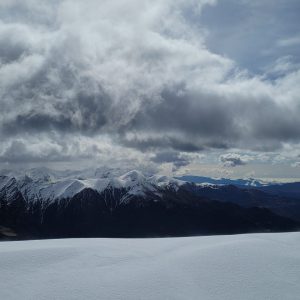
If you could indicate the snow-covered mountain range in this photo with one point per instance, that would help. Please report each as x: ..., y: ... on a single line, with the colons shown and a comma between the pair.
x: 46, y: 185
x: 110, y: 202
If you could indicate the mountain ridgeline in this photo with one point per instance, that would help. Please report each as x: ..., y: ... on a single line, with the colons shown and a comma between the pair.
x: 41, y: 203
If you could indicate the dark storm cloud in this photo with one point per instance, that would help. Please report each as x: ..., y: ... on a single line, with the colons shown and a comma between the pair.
x: 144, y: 79
x: 18, y: 152
x: 36, y: 122
x: 177, y: 159
x: 182, y: 120
x: 197, y: 121
x: 195, y: 113
x: 234, y: 160
x: 85, y: 114
x: 64, y: 151
x: 147, y: 142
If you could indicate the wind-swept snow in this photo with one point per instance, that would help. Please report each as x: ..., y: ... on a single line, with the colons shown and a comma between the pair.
x: 257, y: 266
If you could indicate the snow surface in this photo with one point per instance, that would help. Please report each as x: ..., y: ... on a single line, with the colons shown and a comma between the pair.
x: 256, y: 266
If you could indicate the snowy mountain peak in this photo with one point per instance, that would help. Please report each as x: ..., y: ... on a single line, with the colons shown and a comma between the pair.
x: 133, y: 176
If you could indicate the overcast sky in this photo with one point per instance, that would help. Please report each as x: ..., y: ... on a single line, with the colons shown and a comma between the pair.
x: 175, y: 86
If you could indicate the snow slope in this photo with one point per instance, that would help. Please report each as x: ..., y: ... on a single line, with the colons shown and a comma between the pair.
x: 257, y: 266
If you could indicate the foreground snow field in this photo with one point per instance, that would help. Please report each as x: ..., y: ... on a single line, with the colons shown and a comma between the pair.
x: 256, y: 266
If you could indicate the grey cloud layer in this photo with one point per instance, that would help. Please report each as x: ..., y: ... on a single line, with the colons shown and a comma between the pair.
x: 138, y: 72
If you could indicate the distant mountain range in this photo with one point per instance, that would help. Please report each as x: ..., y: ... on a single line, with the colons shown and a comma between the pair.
x: 41, y: 203
x: 291, y: 189
x: 223, y: 181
